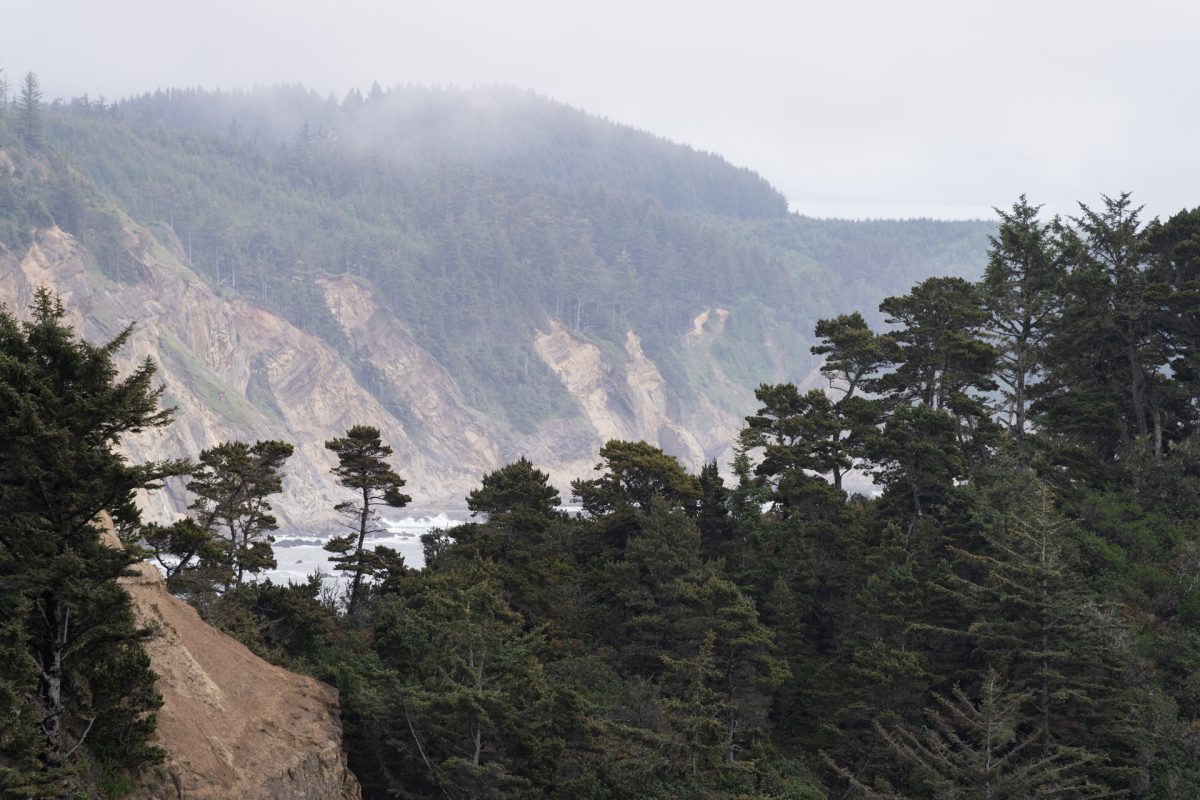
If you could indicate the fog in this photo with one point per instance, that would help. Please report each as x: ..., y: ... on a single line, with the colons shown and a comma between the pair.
x: 870, y: 109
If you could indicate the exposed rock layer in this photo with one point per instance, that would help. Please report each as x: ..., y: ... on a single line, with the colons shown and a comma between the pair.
x: 235, y: 371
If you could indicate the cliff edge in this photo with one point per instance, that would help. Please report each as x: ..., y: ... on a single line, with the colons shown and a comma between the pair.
x: 233, y: 725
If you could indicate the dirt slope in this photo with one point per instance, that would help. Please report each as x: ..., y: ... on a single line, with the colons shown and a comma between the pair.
x: 233, y: 725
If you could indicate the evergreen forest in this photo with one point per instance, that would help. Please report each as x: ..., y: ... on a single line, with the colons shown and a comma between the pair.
x: 474, y: 216
x: 1012, y: 613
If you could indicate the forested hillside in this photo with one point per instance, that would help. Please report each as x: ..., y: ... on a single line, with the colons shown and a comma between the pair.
x: 1013, y: 616
x: 475, y: 217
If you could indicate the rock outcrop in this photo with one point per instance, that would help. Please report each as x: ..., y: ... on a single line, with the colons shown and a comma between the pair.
x: 233, y: 725
x: 235, y: 371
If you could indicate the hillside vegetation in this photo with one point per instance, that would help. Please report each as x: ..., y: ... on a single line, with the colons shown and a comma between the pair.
x: 1011, y: 617
x: 476, y: 216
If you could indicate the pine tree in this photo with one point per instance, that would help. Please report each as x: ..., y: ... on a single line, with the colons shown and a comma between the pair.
x: 939, y: 356
x: 797, y: 434
x: 232, y: 485
x: 517, y: 490
x: 853, y: 357
x: 361, y: 467
x: 634, y: 473
x: 941, y: 359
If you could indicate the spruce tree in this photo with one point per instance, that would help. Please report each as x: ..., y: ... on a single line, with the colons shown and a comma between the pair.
x: 977, y: 750
x: 1022, y: 290
x: 1035, y: 618
x: 29, y: 111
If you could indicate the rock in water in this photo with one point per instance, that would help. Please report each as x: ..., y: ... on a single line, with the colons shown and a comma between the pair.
x: 233, y: 725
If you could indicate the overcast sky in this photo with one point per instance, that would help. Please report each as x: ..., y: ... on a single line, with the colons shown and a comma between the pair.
x: 852, y: 109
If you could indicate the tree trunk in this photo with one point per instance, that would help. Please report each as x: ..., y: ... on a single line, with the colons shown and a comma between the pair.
x: 58, y: 624
x: 364, y: 516
x: 1136, y: 383
x: 731, y: 713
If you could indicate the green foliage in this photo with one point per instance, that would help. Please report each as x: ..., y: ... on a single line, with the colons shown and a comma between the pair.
x: 1021, y: 288
x: 474, y: 241
x: 472, y: 706
x: 634, y: 473
x: 232, y: 482
x: 75, y: 675
x: 518, y: 489
x: 362, y: 469
x: 973, y: 750
x: 797, y: 434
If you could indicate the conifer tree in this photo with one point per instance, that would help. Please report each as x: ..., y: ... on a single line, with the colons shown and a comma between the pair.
x: 29, y: 111
x: 1022, y: 291
x: 713, y: 518
x: 517, y: 490
x: 232, y: 484
x: 886, y: 672
x: 634, y: 473
x: 63, y: 411
x: 362, y: 468
x: 1106, y: 353
x: 853, y: 355
x: 470, y: 712
x: 940, y: 359
x: 696, y: 709
x: 977, y: 750
x: 1035, y: 619
x: 797, y: 433
x: 917, y: 458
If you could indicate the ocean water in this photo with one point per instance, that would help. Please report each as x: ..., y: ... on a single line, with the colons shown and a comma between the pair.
x: 299, y: 557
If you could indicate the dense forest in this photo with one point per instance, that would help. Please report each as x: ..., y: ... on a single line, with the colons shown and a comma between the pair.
x: 475, y: 216
x: 1012, y: 615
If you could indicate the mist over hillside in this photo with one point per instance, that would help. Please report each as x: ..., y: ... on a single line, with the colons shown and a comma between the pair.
x: 486, y: 128
x: 300, y: 314
x: 574, y: 280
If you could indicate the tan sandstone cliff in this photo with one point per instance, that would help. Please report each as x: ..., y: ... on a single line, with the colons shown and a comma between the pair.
x: 233, y: 725
x: 235, y: 371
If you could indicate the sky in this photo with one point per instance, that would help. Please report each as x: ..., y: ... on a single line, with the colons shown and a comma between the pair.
x: 863, y: 109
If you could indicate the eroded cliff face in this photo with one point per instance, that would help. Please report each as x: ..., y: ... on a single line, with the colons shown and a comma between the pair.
x: 235, y: 371
x: 629, y: 399
x: 232, y: 371
x: 233, y: 726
